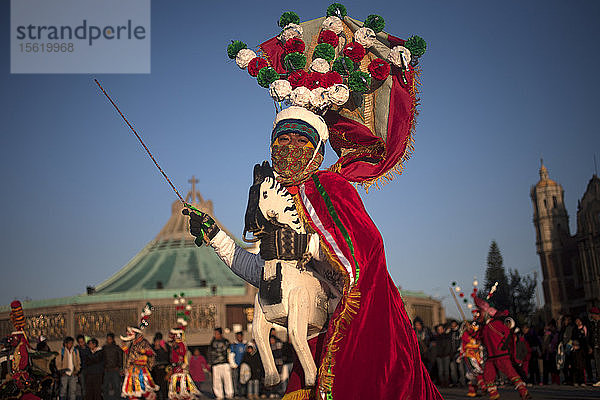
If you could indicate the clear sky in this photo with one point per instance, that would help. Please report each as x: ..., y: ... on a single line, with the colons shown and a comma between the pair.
x: 504, y: 82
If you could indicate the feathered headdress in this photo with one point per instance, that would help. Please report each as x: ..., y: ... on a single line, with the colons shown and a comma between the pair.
x: 132, y: 332
x: 359, y: 79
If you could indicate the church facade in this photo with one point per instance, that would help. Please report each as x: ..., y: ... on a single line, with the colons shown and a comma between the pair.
x: 570, y: 263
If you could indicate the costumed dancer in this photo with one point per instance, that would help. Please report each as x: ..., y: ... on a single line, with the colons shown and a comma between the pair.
x: 139, y: 360
x: 496, y: 338
x: 348, y: 81
x: 181, y: 385
x: 471, y: 352
x: 20, y: 345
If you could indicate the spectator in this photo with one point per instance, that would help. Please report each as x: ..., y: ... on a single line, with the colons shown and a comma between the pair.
x: 112, y: 356
x: 577, y: 364
x: 424, y: 339
x: 565, y: 343
x: 94, y: 371
x: 162, y: 352
x: 549, y: 349
x: 238, y: 348
x: 218, y: 359
x: 83, y: 353
x: 252, y: 358
x: 582, y: 336
x: 42, y: 344
x: 198, y: 366
x: 457, y: 368
x: 68, y: 364
x: 535, y: 346
x: 595, y: 341
x: 440, y: 349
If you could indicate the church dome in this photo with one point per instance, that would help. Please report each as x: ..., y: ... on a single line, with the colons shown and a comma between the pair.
x: 544, y: 178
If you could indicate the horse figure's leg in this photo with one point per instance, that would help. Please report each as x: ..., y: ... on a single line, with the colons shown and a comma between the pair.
x: 299, y: 303
x: 260, y: 332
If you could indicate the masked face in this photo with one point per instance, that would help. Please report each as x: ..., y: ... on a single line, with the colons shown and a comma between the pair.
x: 294, y: 159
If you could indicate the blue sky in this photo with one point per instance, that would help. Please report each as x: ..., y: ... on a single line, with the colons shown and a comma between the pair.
x: 504, y: 83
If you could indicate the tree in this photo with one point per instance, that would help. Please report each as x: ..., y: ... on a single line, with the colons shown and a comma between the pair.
x: 495, y: 273
x: 522, y: 290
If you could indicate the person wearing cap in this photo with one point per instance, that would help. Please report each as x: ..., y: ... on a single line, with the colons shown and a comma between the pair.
x: 594, y: 340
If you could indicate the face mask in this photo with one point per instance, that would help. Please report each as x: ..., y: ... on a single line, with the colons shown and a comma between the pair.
x: 293, y: 164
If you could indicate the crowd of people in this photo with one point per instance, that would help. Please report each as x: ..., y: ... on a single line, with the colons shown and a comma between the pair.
x: 566, y: 352
x: 85, y: 369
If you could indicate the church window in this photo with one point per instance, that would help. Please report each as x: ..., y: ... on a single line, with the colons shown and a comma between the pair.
x: 545, y: 204
x: 554, y: 201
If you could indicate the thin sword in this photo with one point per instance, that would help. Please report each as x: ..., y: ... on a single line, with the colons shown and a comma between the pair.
x: 144, y: 145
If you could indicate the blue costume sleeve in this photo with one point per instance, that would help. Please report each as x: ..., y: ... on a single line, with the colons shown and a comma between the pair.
x: 247, y: 266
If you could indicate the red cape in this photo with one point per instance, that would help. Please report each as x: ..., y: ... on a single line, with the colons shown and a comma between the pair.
x: 370, y: 350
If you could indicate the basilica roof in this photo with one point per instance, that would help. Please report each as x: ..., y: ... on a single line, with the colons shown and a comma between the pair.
x: 168, y: 264
x: 544, y: 178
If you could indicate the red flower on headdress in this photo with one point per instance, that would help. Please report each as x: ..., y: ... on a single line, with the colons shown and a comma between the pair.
x: 294, y: 45
x: 332, y: 77
x: 297, y: 78
x: 328, y: 36
x: 315, y: 80
x: 379, y: 69
x: 255, y: 65
x: 354, y: 51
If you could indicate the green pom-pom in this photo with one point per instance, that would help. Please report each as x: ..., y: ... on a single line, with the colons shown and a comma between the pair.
x: 325, y: 51
x: 359, y: 81
x: 416, y: 45
x: 189, y: 302
x: 453, y: 283
x: 375, y: 22
x: 234, y: 48
x: 288, y: 17
x: 343, y: 65
x: 465, y: 301
x: 174, y: 296
x: 266, y: 76
x: 294, y: 61
x: 337, y: 10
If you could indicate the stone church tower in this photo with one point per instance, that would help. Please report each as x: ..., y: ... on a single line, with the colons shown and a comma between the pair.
x: 555, y: 246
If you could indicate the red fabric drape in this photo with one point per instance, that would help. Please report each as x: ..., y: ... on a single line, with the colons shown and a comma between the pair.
x: 377, y: 353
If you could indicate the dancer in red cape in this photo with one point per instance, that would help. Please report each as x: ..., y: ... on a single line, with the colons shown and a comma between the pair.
x: 352, y: 83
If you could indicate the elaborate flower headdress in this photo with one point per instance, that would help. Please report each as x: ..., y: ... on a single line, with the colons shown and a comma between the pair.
x: 183, y: 314
x: 362, y: 80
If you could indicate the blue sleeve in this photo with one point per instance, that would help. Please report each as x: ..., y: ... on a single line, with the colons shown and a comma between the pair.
x: 247, y: 266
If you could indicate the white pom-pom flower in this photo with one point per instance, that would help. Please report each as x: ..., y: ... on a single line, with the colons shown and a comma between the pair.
x: 176, y: 301
x: 300, y: 96
x: 333, y: 23
x: 280, y: 90
x: 319, y: 65
x: 188, y: 307
x: 184, y: 323
x: 291, y: 31
x: 319, y: 98
x: 365, y: 36
x: 338, y: 94
x: 180, y: 320
x: 399, y: 54
x: 243, y: 58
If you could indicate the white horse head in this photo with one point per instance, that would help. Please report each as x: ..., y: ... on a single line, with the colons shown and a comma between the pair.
x: 277, y: 205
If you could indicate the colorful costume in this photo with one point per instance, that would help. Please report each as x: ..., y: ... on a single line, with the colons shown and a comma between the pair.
x: 181, y: 385
x: 18, y: 341
x: 139, y: 360
x: 471, y: 352
x: 353, y: 84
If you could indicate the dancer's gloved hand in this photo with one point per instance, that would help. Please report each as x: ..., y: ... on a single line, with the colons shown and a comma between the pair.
x: 202, y: 226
